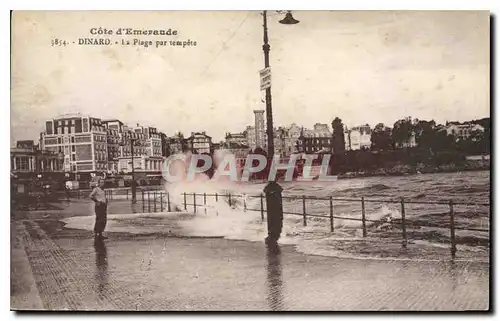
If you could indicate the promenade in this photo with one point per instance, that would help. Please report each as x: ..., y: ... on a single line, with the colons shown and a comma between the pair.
x: 57, y: 268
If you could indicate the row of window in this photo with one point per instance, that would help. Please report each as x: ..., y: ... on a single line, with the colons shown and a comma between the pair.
x: 81, y: 167
x: 73, y: 139
x: 156, y: 165
x: 137, y: 151
x: 99, y: 138
x: 66, y: 122
x: 317, y: 141
x: 101, y: 156
x: 101, y: 166
x: 100, y: 147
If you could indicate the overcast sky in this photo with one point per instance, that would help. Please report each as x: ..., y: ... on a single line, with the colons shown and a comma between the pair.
x: 364, y: 67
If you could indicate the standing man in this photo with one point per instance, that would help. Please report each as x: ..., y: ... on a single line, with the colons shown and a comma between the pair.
x: 101, y: 204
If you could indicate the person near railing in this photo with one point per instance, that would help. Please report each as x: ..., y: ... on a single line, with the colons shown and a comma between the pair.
x: 99, y: 197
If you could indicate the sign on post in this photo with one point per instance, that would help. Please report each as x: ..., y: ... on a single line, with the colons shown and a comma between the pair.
x: 265, y: 78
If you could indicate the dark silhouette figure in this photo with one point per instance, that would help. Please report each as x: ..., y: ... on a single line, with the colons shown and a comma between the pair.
x: 101, y: 204
x: 274, y: 212
x: 275, y: 298
x: 67, y: 193
x: 101, y: 263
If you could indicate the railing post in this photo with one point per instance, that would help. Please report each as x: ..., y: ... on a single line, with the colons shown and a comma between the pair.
x: 229, y: 199
x: 185, y: 202
x: 168, y: 202
x: 244, y: 204
x: 143, y: 203
x: 216, y: 197
x: 126, y: 191
x: 161, y: 201
x: 304, y: 209
x: 149, y: 203
x: 331, y: 214
x: 194, y: 202
x: 403, y: 223
x: 262, y: 206
x: 363, y: 216
x: 204, y: 198
x: 452, y: 231
x: 154, y: 200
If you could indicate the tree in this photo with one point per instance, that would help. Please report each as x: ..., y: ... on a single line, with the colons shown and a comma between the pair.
x: 483, y: 138
x: 442, y: 141
x: 381, y: 137
x: 425, y: 133
x: 338, y: 139
x: 402, y: 131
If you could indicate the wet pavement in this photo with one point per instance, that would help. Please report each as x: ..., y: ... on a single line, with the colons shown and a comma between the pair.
x: 57, y: 268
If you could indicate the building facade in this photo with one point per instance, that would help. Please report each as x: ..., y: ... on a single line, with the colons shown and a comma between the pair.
x: 26, y: 157
x: 358, y: 138
x: 251, y: 137
x: 199, y: 143
x: 411, y: 142
x: 463, y: 130
x: 81, y: 140
x: 236, y: 138
x: 291, y: 139
x: 314, y: 145
x: 240, y: 152
x: 321, y: 130
x: 260, y: 129
x: 89, y: 144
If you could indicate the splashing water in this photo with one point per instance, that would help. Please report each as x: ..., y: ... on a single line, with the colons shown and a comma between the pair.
x: 238, y: 216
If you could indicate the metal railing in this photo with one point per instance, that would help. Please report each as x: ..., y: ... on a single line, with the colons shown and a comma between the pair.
x: 159, y: 201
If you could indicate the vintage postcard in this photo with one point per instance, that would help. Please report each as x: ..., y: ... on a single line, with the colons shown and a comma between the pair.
x: 250, y: 160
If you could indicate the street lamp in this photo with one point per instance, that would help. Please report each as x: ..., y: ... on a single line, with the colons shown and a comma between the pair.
x: 288, y: 20
x: 273, y: 191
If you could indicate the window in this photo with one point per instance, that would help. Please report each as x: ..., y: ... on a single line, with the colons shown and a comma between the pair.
x: 73, y: 157
x: 59, y: 123
x: 66, y: 122
x: 73, y: 122
x: 73, y: 148
x: 72, y: 139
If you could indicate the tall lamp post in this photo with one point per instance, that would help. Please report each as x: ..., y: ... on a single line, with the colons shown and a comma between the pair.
x: 288, y: 20
x: 274, y: 201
